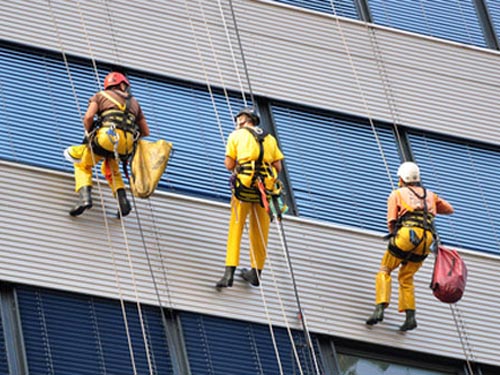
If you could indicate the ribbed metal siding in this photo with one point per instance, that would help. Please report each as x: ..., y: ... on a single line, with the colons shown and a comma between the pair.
x: 336, y: 166
x: 343, y: 8
x: 292, y: 55
x: 334, y: 267
x: 452, y: 20
x: 222, y: 346
x: 71, y: 334
x: 467, y: 176
x: 42, y: 119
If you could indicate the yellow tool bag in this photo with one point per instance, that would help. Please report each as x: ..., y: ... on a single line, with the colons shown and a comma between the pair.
x: 148, y: 164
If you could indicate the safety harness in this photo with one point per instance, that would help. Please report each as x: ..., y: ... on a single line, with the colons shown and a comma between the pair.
x: 257, y: 169
x: 115, y: 118
x: 413, y: 218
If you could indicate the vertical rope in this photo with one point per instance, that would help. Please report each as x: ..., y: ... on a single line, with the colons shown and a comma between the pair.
x: 233, y: 56
x: 361, y: 92
x: 243, y: 59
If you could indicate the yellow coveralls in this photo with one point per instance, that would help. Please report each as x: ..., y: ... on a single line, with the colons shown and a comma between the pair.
x: 105, y: 137
x: 400, y: 202
x: 243, y: 147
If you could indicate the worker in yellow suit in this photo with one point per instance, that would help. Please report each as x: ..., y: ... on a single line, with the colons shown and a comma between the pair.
x: 120, y: 122
x: 252, y: 154
x: 410, y: 219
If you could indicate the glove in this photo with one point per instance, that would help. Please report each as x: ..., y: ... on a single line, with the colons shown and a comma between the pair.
x: 232, y: 181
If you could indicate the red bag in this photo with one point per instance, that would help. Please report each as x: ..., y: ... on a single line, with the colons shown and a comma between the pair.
x: 449, y: 276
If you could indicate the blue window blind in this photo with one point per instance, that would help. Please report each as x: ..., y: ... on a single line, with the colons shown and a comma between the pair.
x: 40, y: 119
x: 494, y: 12
x: 217, y: 346
x: 455, y: 20
x: 73, y: 334
x: 4, y: 367
x: 467, y: 176
x: 344, y: 8
x: 336, y: 169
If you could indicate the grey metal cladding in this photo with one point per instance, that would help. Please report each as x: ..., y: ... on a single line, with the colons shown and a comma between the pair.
x: 185, y: 241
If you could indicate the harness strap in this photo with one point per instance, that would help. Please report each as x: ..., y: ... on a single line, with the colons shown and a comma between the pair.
x: 260, y: 140
x: 413, y: 218
x: 407, y: 256
x: 121, y: 118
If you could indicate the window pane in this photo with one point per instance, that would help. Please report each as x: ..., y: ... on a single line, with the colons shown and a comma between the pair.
x: 343, y: 8
x: 209, y: 340
x: 40, y: 118
x: 66, y: 333
x: 352, y: 365
x: 455, y: 20
x: 467, y: 176
x: 336, y: 167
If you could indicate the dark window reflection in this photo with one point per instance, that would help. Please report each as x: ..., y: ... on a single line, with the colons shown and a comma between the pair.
x: 351, y: 365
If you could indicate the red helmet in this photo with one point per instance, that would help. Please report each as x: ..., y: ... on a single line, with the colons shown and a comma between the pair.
x: 114, y: 79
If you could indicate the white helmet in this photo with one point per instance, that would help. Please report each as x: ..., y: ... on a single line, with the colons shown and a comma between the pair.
x: 409, y: 172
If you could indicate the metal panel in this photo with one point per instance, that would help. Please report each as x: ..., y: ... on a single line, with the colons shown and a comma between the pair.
x: 452, y: 20
x: 292, y: 55
x: 185, y: 238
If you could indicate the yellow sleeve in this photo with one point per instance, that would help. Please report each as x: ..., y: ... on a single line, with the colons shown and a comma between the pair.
x: 231, y: 147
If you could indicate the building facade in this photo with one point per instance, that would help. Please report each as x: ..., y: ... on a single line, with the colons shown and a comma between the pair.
x: 349, y: 88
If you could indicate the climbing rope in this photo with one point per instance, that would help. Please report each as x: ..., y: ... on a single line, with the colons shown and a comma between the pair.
x: 202, y: 61
x: 106, y: 223
x: 470, y: 358
x: 458, y: 320
x: 363, y: 97
x: 242, y: 53
x: 233, y: 56
x: 280, y: 229
x: 243, y: 96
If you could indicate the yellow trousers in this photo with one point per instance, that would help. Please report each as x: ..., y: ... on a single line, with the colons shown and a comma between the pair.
x: 258, y: 233
x: 106, y: 137
x: 406, y: 271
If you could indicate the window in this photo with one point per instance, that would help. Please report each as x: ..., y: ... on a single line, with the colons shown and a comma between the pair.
x: 41, y: 119
x: 75, y: 334
x: 336, y: 169
x: 344, y: 8
x: 209, y: 340
x: 455, y: 20
x: 354, y: 365
x: 466, y: 175
x: 4, y: 368
x: 493, y: 7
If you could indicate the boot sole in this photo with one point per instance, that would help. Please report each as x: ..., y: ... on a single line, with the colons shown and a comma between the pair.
x: 80, y: 210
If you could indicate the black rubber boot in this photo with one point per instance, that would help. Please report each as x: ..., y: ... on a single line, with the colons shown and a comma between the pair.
x: 410, y: 322
x: 84, y: 202
x: 251, y: 276
x: 227, y: 279
x: 125, y: 206
x: 377, y: 316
